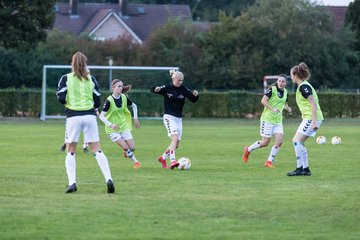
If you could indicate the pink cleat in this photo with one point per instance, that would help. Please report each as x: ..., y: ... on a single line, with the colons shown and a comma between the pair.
x: 269, y: 164
x: 163, y: 162
x: 174, y: 164
x: 246, y: 154
x: 137, y: 165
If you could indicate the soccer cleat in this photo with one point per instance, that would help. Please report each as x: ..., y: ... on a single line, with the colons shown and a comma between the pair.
x: 124, y: 154
x: 110, y: 186
x: 296, y: 172
x: 71, y: 189
x: 163, y: 162
x: 269, y: 164
x: 306, y: 172
x: 137, y: 165
x: 85, y: 150
x: 246, y: 154
x: 63, y: 147
x: 174, y: 164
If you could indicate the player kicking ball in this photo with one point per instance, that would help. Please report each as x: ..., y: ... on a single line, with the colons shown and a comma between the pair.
x: 174, y: 99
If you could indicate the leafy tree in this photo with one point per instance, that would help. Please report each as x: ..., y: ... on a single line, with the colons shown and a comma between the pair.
x: 174, y: 44
x: 24, y: 23
x: 270, y: 38
x: 352, y: 19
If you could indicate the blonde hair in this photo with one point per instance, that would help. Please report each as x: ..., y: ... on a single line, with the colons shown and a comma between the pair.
x: 125, y: 89
x: 176, y: 73
x: 302, y: 71
x: 79, y: 67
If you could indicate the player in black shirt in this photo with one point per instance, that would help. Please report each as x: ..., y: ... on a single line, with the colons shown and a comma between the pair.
x: 174, y: 100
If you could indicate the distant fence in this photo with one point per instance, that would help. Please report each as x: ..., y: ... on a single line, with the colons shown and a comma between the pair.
x: 230, y: 104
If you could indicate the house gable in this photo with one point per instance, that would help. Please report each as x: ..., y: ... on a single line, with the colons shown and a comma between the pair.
x: 110, y: 27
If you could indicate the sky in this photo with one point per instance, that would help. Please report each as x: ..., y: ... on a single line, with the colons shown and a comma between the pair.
x: 336, y: 2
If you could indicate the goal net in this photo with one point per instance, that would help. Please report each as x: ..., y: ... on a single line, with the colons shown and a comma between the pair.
x: 141, y: 79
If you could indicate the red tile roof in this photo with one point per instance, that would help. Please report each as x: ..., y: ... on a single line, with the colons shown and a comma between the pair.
x: 142, y: 18
x: 337, y: 13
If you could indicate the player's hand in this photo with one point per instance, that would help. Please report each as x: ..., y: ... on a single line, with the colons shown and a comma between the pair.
x: 136, y: 123
x: 275, y: 110
x: 289, y: 109
x: 157, y: 89
x: 195, y: 93
x: 313, y: 125
x: 114, y: 126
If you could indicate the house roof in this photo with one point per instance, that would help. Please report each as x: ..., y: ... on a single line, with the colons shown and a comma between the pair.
x: 337, y: 13
x: 142, y: 19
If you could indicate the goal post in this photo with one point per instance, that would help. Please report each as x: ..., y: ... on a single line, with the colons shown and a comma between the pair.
x: 140, y: 77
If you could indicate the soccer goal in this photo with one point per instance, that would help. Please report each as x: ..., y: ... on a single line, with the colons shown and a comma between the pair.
x: 140, y: 77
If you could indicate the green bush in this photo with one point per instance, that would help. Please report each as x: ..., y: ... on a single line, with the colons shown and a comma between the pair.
x: 230, y: 104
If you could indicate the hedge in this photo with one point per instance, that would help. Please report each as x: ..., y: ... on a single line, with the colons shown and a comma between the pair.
x: 231, y: 104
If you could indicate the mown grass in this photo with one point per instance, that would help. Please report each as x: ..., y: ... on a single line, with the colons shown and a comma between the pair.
x: 219, y: 198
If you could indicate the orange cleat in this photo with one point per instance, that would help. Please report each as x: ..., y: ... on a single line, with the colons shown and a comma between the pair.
x: 246, y: 154
x: 269, y: 164
x: 174, y: 164
x: 163, y: 162
x: 137, y: 165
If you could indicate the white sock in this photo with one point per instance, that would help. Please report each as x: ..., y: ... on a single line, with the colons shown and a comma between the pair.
x: 298, y: 147
x: 166, y: 154
x: 305, y: 158
x: 273, y: 153
x: 254, y: 146
x: 131, y: 155
x: 103, y: 164
x: 70, y: 164
x: 172, y: 156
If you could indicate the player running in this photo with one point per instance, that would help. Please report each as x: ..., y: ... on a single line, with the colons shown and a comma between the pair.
x: 308, y: 103
x: 274, y: 101
x: 117, y: 119
x: 174, y: 99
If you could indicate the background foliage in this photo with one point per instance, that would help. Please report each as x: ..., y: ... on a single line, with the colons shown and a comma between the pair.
x: 266, y: 37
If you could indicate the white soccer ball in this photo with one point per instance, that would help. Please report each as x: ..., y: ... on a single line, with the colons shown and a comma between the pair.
x: 184, y: 163
x: 321, y: 140
x: 336, y: 140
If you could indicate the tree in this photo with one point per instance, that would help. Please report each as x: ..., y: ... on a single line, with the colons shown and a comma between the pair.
x: 271, y: 37
x: 352, y: 19
x: 24, y: 23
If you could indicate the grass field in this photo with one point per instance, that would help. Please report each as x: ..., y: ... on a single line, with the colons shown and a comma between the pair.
x: 219, y: 198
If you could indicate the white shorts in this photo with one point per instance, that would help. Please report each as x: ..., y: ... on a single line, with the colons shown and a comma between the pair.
x: 306, y: 129
x: 120, y: 136
x: 173, y: 125
x: 268, y: 129
x: 86, y: 124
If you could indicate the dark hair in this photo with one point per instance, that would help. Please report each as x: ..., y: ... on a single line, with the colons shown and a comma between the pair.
x: 302, y: 71
x: 275, y: 83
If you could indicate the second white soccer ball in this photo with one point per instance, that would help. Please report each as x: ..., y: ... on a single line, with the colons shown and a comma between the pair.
x: 184, y: 163
x: 336, y: 140
x: 321, y: 140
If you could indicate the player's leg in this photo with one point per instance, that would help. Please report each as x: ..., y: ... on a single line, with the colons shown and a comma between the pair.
x: 278, y: 134
x: 130, y: 145
x: 72, y: 134
x: 91, y: 136
x: 266, y: 130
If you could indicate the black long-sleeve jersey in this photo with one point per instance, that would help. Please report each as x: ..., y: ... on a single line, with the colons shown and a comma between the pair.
x: 61, y: 96
x: 174, y: 98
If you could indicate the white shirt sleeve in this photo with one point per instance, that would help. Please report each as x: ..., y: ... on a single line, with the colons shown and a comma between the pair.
x: 135, y: 111
x: 104, y: 119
